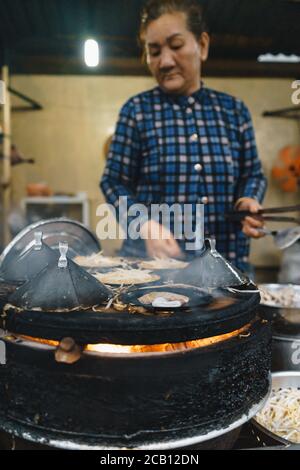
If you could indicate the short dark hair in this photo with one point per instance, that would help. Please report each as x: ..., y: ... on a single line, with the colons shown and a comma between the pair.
x: 154, y: 9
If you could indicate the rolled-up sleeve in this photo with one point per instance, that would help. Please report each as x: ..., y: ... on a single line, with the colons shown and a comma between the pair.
x: 252, y: 182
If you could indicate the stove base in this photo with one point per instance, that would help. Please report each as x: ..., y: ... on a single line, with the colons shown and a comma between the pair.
x: 26, y: 437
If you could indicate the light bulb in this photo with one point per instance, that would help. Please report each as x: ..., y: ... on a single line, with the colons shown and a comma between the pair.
x: 91, y: 53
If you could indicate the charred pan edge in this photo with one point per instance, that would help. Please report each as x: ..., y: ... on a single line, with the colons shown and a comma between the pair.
x: 132, y: 402
x: 127, y: 328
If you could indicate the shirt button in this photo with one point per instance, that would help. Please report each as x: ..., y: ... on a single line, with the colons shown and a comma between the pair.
x: 189, y: 110
x: 194, y: 138
x: 204, y: 200
x: 191, y: 100
x: 198, y: 167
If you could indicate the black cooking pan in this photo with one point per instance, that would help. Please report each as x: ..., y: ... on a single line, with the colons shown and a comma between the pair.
x: 198, y: 297
x: 226, y: 312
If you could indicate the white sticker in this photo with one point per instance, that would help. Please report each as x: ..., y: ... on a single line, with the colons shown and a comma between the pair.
x: 2, y: 349
x: 2, y: 353
x: 295, y: 357
x: 2, y: 92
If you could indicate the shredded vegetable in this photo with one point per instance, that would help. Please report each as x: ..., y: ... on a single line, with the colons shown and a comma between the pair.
x: 281, y: 414
x: 163, y: 263
x: 98, y: 260
x: 126, y: 276
x: 285, y: 297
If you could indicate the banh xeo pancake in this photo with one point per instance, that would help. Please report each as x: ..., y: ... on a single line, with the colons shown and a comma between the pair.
x: 98, y: 260
x: 163, y: 263
x: 127, y: 276
x: 147, y: 299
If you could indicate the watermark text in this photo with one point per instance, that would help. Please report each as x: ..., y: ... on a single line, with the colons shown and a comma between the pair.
x: 296, y: 93
x: 184, y: 222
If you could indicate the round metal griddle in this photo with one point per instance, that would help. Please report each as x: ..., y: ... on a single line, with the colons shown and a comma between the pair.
x: 80, y: 239
x: 197, y: 297
x: 226, y: 312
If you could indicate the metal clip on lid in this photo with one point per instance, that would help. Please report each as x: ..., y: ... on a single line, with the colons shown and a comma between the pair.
x: 63, y: 249
x: 213, y: 249
x: 38, y: 240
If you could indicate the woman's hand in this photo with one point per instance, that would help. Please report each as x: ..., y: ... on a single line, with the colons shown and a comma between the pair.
x: 251, y: 225
x: 159, y: 241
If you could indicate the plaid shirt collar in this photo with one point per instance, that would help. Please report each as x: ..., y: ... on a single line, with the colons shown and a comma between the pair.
x: 183, y: 100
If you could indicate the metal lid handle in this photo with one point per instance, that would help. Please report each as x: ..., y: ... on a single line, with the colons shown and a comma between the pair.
x: 212, y: 243
x: 38, y: 240
x: 63, y: 249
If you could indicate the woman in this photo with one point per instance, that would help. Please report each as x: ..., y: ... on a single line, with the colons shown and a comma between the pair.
x: 184, y: 143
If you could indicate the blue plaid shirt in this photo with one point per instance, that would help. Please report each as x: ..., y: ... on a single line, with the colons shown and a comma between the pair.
x: 177, y: 149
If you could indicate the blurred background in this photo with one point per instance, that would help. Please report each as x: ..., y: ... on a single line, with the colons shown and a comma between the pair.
x: 60, y: 113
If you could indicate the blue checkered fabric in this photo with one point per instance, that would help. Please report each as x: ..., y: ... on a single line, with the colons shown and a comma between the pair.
x: 176, y: 149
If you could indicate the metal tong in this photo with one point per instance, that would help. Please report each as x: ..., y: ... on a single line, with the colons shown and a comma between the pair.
x: 284, y: 238
x: 237, y: 216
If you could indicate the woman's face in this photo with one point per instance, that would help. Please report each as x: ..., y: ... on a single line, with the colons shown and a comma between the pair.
x: 174, y: 55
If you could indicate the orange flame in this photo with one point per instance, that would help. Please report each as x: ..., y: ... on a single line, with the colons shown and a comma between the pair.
x: 151, y: 348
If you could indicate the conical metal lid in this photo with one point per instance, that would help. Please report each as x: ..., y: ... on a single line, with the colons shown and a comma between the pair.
x: 29, y: 262
x: 211, y: 269
x: 62, y: 285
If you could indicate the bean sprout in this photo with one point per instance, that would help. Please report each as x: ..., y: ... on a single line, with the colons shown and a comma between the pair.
x: 281, y: 415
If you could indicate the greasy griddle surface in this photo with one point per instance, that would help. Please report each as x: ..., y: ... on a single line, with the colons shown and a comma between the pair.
x: 126, y: 325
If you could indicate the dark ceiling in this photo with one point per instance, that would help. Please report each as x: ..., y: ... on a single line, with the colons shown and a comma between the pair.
x: 46, y: 36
